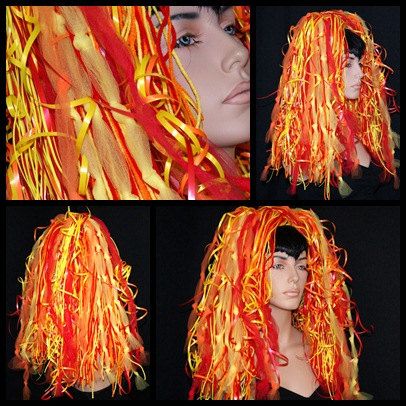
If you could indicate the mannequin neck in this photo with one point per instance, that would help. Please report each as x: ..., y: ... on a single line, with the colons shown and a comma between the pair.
x: 230, y: 151
x: 287, y: 334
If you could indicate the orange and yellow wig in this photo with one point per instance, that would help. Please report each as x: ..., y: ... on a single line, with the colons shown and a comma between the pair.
x: 79, y: 322
x: 95, y: 112
x: 314, y: 127
x: 233, y: 340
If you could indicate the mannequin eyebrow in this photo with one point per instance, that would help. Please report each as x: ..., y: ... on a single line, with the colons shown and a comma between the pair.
x: 281, y: 256
x: 185, y: 16
x: 195, y: 15
x: 286, y: 256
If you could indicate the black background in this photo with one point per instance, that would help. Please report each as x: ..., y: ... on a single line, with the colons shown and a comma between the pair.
x: 370, y: 236
x: 272, y: 27
x: 129, y: 227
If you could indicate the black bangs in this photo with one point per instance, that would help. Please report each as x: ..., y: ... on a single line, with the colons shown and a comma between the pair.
x: 356, y: 45
x: 290, y: 241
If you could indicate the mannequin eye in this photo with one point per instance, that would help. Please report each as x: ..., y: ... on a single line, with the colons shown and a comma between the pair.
x: 186, y: 40
x: 231, y: 30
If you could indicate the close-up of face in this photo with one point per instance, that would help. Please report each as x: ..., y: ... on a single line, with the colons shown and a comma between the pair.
x: 352, y: 77
x: 288, y: 277
x: 218, y: 65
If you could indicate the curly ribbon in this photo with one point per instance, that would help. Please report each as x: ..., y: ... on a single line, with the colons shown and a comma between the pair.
x: 22, y: 62
x: 84, y: 175
x: 86, y: 121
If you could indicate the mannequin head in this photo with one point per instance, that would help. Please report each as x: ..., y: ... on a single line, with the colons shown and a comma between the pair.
x: 332, y: 93
x: 288, y: 272
x: 255, y: 257
x: 353, y: 70
x: 78, y: 316
x: 156, y: 107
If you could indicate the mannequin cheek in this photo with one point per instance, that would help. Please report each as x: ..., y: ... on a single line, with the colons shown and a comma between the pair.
x: 227, y: 134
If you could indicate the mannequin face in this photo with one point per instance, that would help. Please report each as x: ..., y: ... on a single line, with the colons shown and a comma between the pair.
x: 352, y: 77
x: 218, y: 65
x: 288, y: 276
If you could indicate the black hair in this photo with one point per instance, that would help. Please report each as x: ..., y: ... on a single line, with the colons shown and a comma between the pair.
x: 356, y: 45
x: 289, y: 240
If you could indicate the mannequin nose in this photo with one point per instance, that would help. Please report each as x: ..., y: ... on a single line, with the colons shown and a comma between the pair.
x: 293, y: 276
x: 360, y: 72
x: 236, y: 57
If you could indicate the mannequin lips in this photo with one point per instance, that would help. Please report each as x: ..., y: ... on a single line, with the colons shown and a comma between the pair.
x: 239, y: 95
x: 292, y: 293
